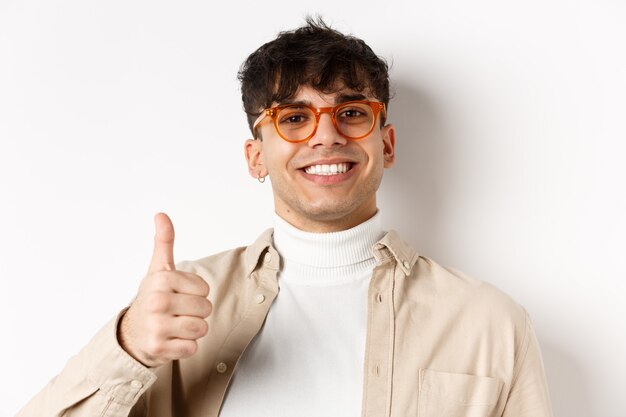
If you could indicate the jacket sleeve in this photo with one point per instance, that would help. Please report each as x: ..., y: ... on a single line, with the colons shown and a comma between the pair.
x: 529, y: 395
x: 101, y: 380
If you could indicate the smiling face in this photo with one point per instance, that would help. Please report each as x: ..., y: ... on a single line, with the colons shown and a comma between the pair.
x: 328, y: 183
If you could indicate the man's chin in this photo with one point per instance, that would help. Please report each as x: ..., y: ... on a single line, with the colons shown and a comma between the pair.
x: 333, y: 213
x: 331, y: 210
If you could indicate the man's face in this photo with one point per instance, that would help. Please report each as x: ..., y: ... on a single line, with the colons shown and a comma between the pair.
x: 312, y: 201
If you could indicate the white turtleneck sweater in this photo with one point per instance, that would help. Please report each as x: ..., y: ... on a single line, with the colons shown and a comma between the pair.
x: 307, y: 360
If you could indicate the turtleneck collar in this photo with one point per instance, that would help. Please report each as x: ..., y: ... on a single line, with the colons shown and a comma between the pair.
x: 327, y: 250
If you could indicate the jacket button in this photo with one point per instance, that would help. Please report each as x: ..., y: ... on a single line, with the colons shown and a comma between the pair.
x: 267, y: 258
x: 259, y: 298
x: 136, y: 384
x: 222, y: 367
x: 406, y: 264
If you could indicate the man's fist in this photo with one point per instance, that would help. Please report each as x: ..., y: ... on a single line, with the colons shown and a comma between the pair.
x: 167, y: 316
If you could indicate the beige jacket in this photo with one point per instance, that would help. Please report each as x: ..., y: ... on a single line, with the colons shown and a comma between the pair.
x: 439, y: 344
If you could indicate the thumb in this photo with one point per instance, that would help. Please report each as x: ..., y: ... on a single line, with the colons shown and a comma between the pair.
x: 163, y: 253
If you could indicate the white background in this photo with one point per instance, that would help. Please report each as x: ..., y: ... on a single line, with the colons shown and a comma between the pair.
x: 510, y: 140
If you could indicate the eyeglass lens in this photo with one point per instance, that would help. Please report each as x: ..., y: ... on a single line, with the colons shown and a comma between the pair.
x: 353, y: 120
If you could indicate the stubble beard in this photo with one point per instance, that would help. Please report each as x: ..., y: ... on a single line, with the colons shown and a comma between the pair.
x: 334, y: 211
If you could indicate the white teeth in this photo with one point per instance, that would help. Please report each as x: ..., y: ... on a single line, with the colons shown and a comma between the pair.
x: 333, y: 169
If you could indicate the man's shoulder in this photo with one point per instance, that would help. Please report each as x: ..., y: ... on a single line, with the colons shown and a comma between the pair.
x: 445, y: 286
x: 452, y: 290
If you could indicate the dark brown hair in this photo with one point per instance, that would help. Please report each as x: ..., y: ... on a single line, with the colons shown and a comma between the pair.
x: 315, y: 55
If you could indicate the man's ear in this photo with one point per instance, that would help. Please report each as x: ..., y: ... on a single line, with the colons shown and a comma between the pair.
x: 388, y: 133
x: 253, y: 150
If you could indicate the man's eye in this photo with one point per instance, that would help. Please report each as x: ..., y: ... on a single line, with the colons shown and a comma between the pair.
x: 293, y: 119
x: 352, y: 113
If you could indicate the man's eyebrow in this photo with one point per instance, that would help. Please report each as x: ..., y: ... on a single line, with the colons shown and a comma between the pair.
x: 341, y: 98
x: 291, y: 101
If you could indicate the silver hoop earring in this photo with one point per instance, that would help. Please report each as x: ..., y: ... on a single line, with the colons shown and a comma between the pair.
x: 260, y: 178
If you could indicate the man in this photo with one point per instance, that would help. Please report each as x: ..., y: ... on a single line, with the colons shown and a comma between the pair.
x: 326, y: 314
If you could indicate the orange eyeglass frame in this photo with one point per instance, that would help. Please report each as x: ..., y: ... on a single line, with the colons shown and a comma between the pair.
x: 376, y: 106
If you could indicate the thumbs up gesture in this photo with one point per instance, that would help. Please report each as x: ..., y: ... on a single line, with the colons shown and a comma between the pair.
x: 167, y: 316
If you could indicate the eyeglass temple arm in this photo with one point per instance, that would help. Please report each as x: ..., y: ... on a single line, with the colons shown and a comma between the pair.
x: 264, y: 113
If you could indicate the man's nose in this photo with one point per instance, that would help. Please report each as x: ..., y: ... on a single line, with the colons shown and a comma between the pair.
x: 326, y: 134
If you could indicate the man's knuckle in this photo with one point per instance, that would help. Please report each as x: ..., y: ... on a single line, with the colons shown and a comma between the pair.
x: 207, y: 308
x: 203, y: 328
x: 200, y: 285
x: 201, y: 305
x: 159, y: 279
x: 204, y: 287
x: 154, y: 347
x: 194, y: 328
x: 159, y: 302
x: 188, y: 348
x: 156, y: 329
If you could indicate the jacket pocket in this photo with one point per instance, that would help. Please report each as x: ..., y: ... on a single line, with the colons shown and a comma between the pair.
x: 443, y: 394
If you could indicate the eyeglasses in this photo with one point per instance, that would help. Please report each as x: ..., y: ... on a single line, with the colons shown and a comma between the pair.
x: 298, y: 122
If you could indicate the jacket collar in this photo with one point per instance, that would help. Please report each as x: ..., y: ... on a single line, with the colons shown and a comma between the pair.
x: 261, y: 246
x: 390, y: 246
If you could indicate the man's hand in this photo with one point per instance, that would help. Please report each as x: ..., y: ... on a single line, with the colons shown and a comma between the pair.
x: 167, y: 316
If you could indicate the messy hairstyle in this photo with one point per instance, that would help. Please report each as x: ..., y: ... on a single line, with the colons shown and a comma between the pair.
x: 314, y: 55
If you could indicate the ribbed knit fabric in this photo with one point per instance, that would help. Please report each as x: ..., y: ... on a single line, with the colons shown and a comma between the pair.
x: 308, y: 358
x: 325, y: 258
